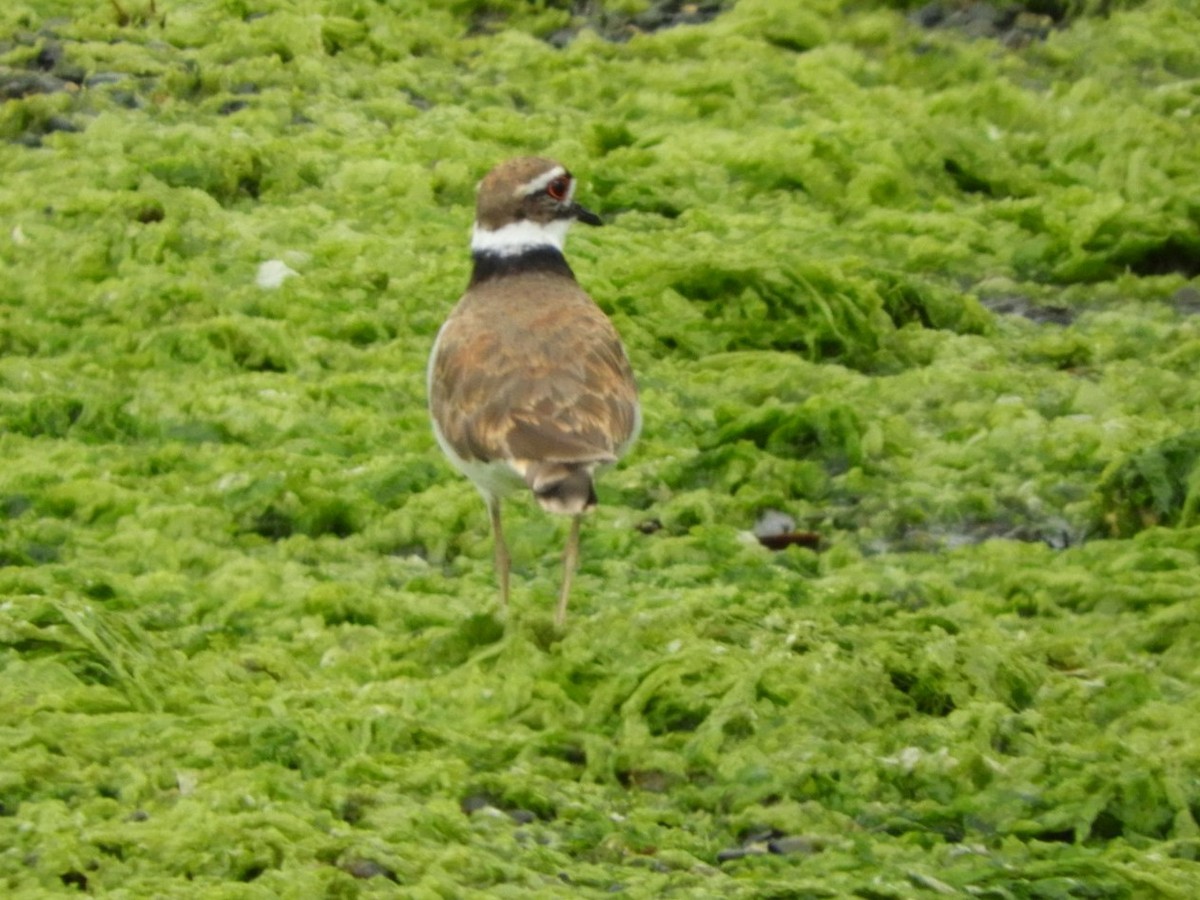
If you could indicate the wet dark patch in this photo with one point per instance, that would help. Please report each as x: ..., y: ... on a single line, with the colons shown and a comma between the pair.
x: 1055, y: 533
x: 46, y: 71
x: 14, y: 505
x: 618, y: 26
x: 1043, y: 314
x: 1012, y: 24
x: 1186, y: 300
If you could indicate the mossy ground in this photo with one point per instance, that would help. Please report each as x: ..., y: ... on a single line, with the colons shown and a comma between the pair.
x: 933, y: 297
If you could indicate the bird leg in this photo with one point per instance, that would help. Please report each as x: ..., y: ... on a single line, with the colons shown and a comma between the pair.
x: 500, y: 558
x: 570, y: 559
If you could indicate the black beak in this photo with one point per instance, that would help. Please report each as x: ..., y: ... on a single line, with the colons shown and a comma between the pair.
x: 586, y: 216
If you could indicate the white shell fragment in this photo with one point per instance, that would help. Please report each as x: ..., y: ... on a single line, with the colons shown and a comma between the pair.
x: 273, y: 273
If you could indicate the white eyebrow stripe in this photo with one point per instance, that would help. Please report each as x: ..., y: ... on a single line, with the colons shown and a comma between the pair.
x: 540, y: 183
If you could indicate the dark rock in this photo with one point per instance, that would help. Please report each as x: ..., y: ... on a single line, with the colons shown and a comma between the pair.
x: 14, y: 84
x: 675, y: 12
x: 48, y: 57
x: 804, y: 844
x: 732, y: 853
x: 61, y: 123
x: 757, y: 834
x: 127, y: 99
x: 367, y: 868
x: 931, y: 15
x: 560, y: 38
x: 760, y: 842
x: 472, y: 803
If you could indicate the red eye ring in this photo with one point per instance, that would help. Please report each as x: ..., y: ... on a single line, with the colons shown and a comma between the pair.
x: 558, y: 188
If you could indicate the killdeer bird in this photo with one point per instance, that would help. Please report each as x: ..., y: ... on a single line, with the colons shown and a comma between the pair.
x: 529, y: 385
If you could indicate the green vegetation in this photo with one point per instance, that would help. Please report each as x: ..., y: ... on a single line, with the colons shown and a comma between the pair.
x: 932, y: 295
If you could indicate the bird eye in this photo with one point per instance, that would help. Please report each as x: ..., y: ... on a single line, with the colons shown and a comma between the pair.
x: 558, y: 188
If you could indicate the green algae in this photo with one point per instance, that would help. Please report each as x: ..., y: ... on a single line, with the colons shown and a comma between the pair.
x: 247, y: 634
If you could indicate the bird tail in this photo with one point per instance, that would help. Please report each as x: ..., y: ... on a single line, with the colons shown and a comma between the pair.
x: 566, y: 488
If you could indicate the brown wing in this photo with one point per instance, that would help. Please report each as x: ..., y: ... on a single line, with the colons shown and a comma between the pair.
x: 532, y: 373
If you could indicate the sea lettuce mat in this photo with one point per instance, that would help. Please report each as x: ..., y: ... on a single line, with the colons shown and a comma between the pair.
x: 917, y: 286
